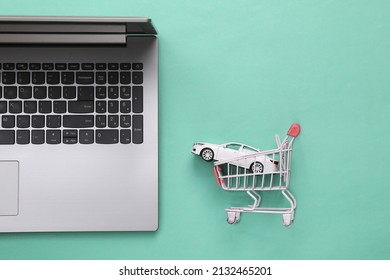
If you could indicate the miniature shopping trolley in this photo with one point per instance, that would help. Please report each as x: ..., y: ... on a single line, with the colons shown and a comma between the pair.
x: 270, y: 171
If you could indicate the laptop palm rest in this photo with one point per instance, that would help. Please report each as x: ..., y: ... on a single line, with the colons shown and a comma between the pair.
x: 9, y: 188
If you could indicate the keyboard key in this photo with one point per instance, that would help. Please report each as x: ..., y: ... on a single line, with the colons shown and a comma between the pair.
x: 54, y: 92
x: 9, y: 66
x: 125, y: 136
x: 125, y: 107
x: 138, y: 129
x: 25, y: 92
x: 53, y: 121
x: 53, y: 136
x: 38, y: 78
x: 69, y: 92
x: 101, y: 121
x: 101, y: 107
x: 1, y: 89
x: 3, y: 107
x: 8, y: 121
x: 125, y: 92
x: 107, y: 136
x: 84, y: 78
x: 67, y: 78
x: 59, y: 107
x: 60, y: 66
x: 113, y: 66
x: 69, y: 140
x: 80, y: 107
x: 44, y: 107
x: 138, y: 103
x: 100, y: 78
x: 15, y: 107
x: 23, y: 78
x: 23, y: 121
x: 23, y: 137
x: 40, y: 92
x: 86, y: 136
x: 8, y: 78
x: 87, y: 66
x: 113, y: 106
x: 125, y: 78
x: 37, y: 136
x: 113, y: 92
x: 21, y: 66
x: 10, y: 92
x: 113, y: 78
x: 30, y: 107
x: 7, y: 137
x: 70, y: 133
x: 38, y: 121
x: 73, y: 66
x: 138, y: 78
x: 85, y: 93
x: 101, y: 92
x: 78, y: 121
x: 69, y: 136
x: 48, y: 66
x: 113, y: 121
x: 53, y: 78
x: 138, y: 66
x: 35, y: 66
x: 125, y: 66
x: 101, y: 66
x: 125, y: 121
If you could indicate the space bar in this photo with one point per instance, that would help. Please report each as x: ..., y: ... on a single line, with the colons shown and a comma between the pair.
x: 78, y: 121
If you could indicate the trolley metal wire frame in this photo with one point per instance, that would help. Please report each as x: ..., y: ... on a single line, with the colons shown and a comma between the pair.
x: 231, y: 177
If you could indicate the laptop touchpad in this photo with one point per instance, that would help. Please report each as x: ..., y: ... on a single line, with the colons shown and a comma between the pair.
x: 9, y: 188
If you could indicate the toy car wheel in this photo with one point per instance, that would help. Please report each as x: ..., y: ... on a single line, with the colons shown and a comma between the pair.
x: 207, y: 154
x: 257, y: 167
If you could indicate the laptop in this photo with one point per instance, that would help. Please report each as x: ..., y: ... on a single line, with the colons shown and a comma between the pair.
x: 78, y: 124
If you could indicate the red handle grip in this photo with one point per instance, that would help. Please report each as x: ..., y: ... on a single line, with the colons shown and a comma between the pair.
x: 294, y: 130
x: 217, y: 176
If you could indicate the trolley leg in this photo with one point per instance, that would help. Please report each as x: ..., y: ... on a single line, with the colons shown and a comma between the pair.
x: 288, y: 217
x: 287, y: 192
x: 256, y: 197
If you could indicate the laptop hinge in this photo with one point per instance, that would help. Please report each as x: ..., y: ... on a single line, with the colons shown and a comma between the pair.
x: 61, y: 28
x: 29, y: 38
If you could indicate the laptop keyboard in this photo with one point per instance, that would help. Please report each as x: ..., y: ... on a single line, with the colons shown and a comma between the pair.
x: 70, y: 103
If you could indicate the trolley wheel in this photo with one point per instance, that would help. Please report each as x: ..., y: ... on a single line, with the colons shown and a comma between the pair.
x: 257, y: 167
x: 287, y: 219
x: 233, y: 217
x: 207, y: 154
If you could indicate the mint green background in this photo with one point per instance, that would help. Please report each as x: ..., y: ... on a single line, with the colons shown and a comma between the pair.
x: 243, y: 71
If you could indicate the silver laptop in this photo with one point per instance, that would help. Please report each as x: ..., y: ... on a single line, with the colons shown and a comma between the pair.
x: 78, y: 124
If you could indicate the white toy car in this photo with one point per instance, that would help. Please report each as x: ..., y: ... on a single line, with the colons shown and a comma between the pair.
x: 228, y: 151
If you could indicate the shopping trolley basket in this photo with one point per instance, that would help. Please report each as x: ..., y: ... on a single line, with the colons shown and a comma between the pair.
x: 270, y: 171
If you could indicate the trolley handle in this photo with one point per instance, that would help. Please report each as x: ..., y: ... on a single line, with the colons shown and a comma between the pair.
x: 294, y: 130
